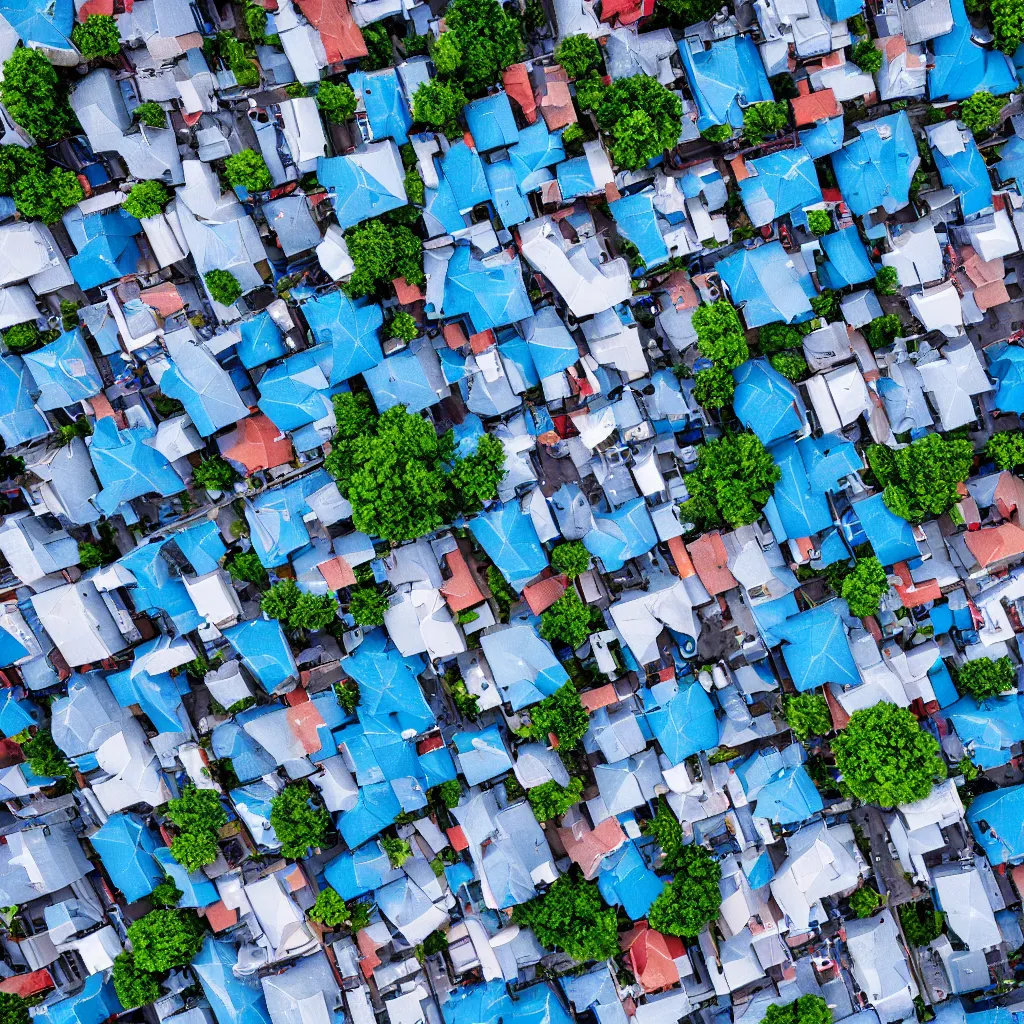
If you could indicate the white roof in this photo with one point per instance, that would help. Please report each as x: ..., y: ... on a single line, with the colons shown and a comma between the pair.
x: 965, y: 901
x: 282, y: 921
x: 641, y: 616
x: 214, y: 597
x: 939, y: 309
x: 79, y: 623
x: 916, y: 256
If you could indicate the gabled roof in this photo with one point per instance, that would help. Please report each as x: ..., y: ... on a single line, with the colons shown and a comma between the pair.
x: 257, y: 444
x: 816, y: 648
x: 768, y: 284
x: 297, y: 391
x: 201, y: 384
x: 634, y: 217
x: 261, y: 342
x: 64, y: 371
x: 890, y: 535
x: 385, y: 105
x: 962, y: 168
x: 350, y: 328
x: 523, y: 665
x: 963, y: 67
x: 997, y: 821
x: 365, y: 183
x: 233, y: 1000
x: 767, y: 403
x: 126, y: 847
x: 491, y: 294
x: 989, y: 730
x: 128, y: 467
x: 264, y: 650
x: 491, y: 122
x: 724, y: 76
x: 486, y: 1004
x: 511, y: 542
x: 46, y: 25
x: 20, y: 419
x: 106, y: 245
x: 682, y: 718
x: 95, y: 1003
x: 847, y: 260
x: 876, y: 168
x: 778, y: 184
x: 531, y: 157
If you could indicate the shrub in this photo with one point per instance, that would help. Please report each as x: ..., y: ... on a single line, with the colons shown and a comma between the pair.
x: 367, y: 606
x: 921, y: 922
x: 549, y: 800
x: 1006, y: 449
x: 223, y: 286
x: 415, y: 190
x: 980, y: 111
x: 984, y: 678
x: 887, y: 281
x: 337, y: 100
x: 90, y: 555
x: 571, y: 916
x: 23, y: 337
x: 777, y: 337
x: 667, y: 832
x: 348, y: 695
x: 578, y: 54
x: 807, y: 715
x: 165, y: 893
x: 214, y: 474
x: 921, y: 479
x: 146, y: 199
x: 313, y: 612
x: 403, y: 326
x: 134, y: 987
x: 826, y: 305
x: 865, y: 901
x: 562, y: 715
x: 197, y: 810
x: 398, y: 850
x: 735, y: 476
x: 720, y: 336
x: 448, y: 794
x: 764, y: 120
x: 97, y: 36
x: 194, y: 850
x: 31, y: 93
x: 642, y: 117
x: 248, y: 170
x: 165, y: 939
x: 298, y: 823
x: 567, y: 620
x: 819, y: 222
x: 883, y: 330
x: 865, y: 587
x: 792, y: 365
x: 692, y: 899
x: 45, y: 758
x: 718, y: 133
x: 47, y: 195
x: 329, y: 909
x: 867, y: 57
x: 16, y: 162
x: 247, y: 568
x: 570, y: 558
x: 714, y: 387
x: 438, y: 104
x: 382, y: 253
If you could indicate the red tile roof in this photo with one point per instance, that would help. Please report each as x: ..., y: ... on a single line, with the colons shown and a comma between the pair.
x: 407, y: 293
x: 257, y: 444
x: 219, y: 916
x: 599, y: 697
x: 28, y: 985
x: 540, y: 596
x: 811, y: 107
x: 587, y: 847
x: 915, y: 594
x: 337, y: 573
x: 516, y: 80
x: 996, y: 543
x: 458, y: 838
x: 304, y: 720
x: 341, y: 36
x: 652, y: 956
x: 461, y: 590
x: 711, y: 561
x: 683, y: 562
x: 555, y: 100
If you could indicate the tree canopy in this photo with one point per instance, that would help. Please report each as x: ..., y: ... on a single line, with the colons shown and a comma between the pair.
x: 1006, y: 449
x: 298, y: 823
x: 692, y: 899
x: 887, y: 281
x: 865, y: 586
x: 47, y: 194
x: 134, y: 987
x: 476, y: 477
x: 867, y: 56
x: 570, y: 558
x: 367, y: 606
x: 165, y: 938
x: 642, y: 117
x: 146, y: 199
x: 97, y: 36
x: 819, y: 221
x: 1007, y: 24
x: 33, y: 96
x: 223, y: 286
x: 578, y: 54
x: 807, y: 1009
x: 720, y: 334
x: 983, y: 678
x: 571, y: 916
x: 337, y: 100
x: 549, y: 799
x: 764, y: 120
x: 567, y: 620
x: 921, y: 922
x: 214, y: 474
x: 198, y: 815
x: 248, y: 170
x: 562, y: 714
x: 865, y: 901
x: 13, y: 1009
x: 714, y: 387
x: 807, y: 715
x: 329, y: 909
x: 485, y: 40
x: 735, y: 476
x: 886, y: 758
x: 381, y: 253
x: 921, y: 479
x: 438, y: 103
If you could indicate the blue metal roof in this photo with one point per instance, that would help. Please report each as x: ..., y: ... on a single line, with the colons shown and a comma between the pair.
x: 789, y: 798
x: 491, y: 122
x: 126, y: 847
x: 356, y: 872
x: 265, y: 650
x: 682, y: 718
x: 156, y: 694
x: 890, y: 535
x: 350, y: 328
x: 388, y: 681
x: 840, y: 10
x: 510, y: 540
x: 989, y: 729
x: 778, y: 184
x: 551, y: 345
x: 20, y: 420
x: 275, y: 518
x: 635, y: 218
x: 967, y: 174
x: 962, y: 67
x: 94, y: 1003
x: 508, y: 201
x: 796, y: 509
x: 289, y: 391
x: 261, y: 342
x: 1010, y: 166
x: 464, y: 171
x: 401, y: 379
x: 766, y: 402
x: 106, y: 245
x: 232, y: 999
x: 816, y: 649
x: 45, y: 24
x: 626, y: 881
x: 827, y: 460
x: 128, y: 467
x: 15, y: 714
x: 376, y: 808
x: 195, y: 888
x: 618, y: 536
x: 768, y: 284
x: 356, y: 193
x: 574, y: 178
x: 481, y: 755
x: 876, y: 168
x: 249, y: 760
x: 64, y: 372
x: 1006, y: 365
x: 385, y: 104
x: 534, y: 154
x: 156, y: 590
x: 723, y: 77
x: 997, y: 821
x: 491, y: 1003
x: 847, y: 259
x: 202, y: 545
x: 492, y: 296
x: 824, y: 138
x: 442, y: 206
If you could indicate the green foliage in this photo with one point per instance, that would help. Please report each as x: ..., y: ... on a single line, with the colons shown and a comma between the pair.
x: 438, y: 104
x: 47, y: 195
x: 381, y: 254
x: 783, y: 86
x: 359, y: 916
x: 354, y: 417
x: 255, y: 21
x: 980, y: 111
x: 1007, y: 24
x: 415, y: 190
x: 92, y: 555
x: 764, y: 120
x: 1006, y: 449
x: 447, y: 793
x: 571, y: 916
x: 567, y: 620
x: 777, y: 337
x: 194, y: 850
x: 867, y: 57
x: 97, y: 36
x: 435, y: 942
x: 792, y: 365
x: 921, y: 479
x: 735, y: 476
x: 718, y: 133
x: 807, y: 715
x: 562, y: 714
x: 16, y: 162
x: 642, y: 117
x: 23, y: 337
x: 329, y: 909
x: 920, y: 921
x: 504, y: 596
x: 214, y: 474
x: 983, y: 678
x: 476, y: 477
x: 298, y: 823
x: 886, y: 758
x: 578, y: 55
x: 146, y: 199
x: 865, y: 901
x: 134, y: 986
x: 197, y: 809
x: 337, y: 100
x: 887, y: 281
x: 367, y: 606
x: 223, y: 286
x: 692, y: 899
x: 313, y: 612
x: 883, y: 330
x: 466, y: 703
x: 13, y: 1009
x: 11, y: 466
x: 570, y: 558
x: 248, y: 170
x: 819, y: 222
x: 237, y: 57
x: 398, y: 850
x: 447, y: 54
x: 865, y: 587
x: 714, y: 387
x: 804, y: 1010
x: 280, y: 600
x: 164, y: 939
x: 485, y: 40
x: 968, y: 769
x: 247, y: 568
x: 403, y: 326
x: 590, y: 90
x: 33, y: 96
x: 348, y: 695
x: 45, y: 758
x: 380, y: 53
x: 549, y: 799
x: 683, y: 13
x: 165, y: 893
x: 826, y: 305
x: 667, y: 833
x: 720, y: 334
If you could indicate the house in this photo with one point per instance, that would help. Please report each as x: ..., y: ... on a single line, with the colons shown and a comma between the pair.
x: 723, y: 75
x: 779, y: 184
x: 880, y: 967
x: 962, y: 67
x: 767, y: 284
x: 365, y: 183
x: 875, y: 169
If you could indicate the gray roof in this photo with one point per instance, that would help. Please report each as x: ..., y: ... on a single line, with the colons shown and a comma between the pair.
x: 37, y: 861
x: 303, y: 994
x: 86, y: 717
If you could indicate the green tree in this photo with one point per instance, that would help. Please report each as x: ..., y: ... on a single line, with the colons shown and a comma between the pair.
x: 968, y: 769
x: 367, y: 606
x: 214, y: 474
x: 313, y: 612
x: 194, y: 850
x: 354, y: 417
x: 714, y: 387
x: 329, y: 909
x: 446, y: 54
x: 921, y: 479
x: 248, y: 170
x: 92, y: 555
x: 337, y: 100
x: 1006, y: 449
x: 984, y: 678
x: 792, y: 365
x: 438, y: 104
x: 404, y: 327
x: 16, y: 162
x: 867, y: 57
x: 718, y: 133
x: 398, y: 850
x: 807, y: 715
x: 134, y: 987
x: 567, y: 620
x: 146, y: 199
x: 165, y: 939
x: 921, y: 922
x: 692, y: 899
x: 683, y: 13
x: 883, y: 330
x: 280, y: 600
x: 720, y: 336
x: 549, y: 799
x: 887, y: 281
x: 97, y: 36
x: 764, y: 120
x: 380, y: 52
x: 865, y: 587
x: 448, y: 794
x: 563, y: 715
x: 246, y: 567
x: 819, y: 222
x: 777, y: 337
x: 238, y: 58
x: 886, y: 758
x: 33, y: 96
x: 570, y: 558
x: 416, y: 192
x: 348, y: 695
x: 667, y: 832
x: 197, y: 810
x: 298, y: 823
x: 642, y: 117
x: 165, y: 893
x: 45, y: 758
x: 13, y: 1009
x: 152, y: 115
x: 486, y: 39
x: 590, y: 90
x: 359, y: 916
x: 578, y: 54
x: 1007, y: 24
x: 826, y: 305
x: 23, y: 337
x: 382, y: 253
x: 865, y: 901
x: 223, y: 286
x: 571, y: 916
x: 980, y: 111
x: 804, y: 1010
x: 735, y: 476
x: 476, y: 477
x: 47, y: 195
